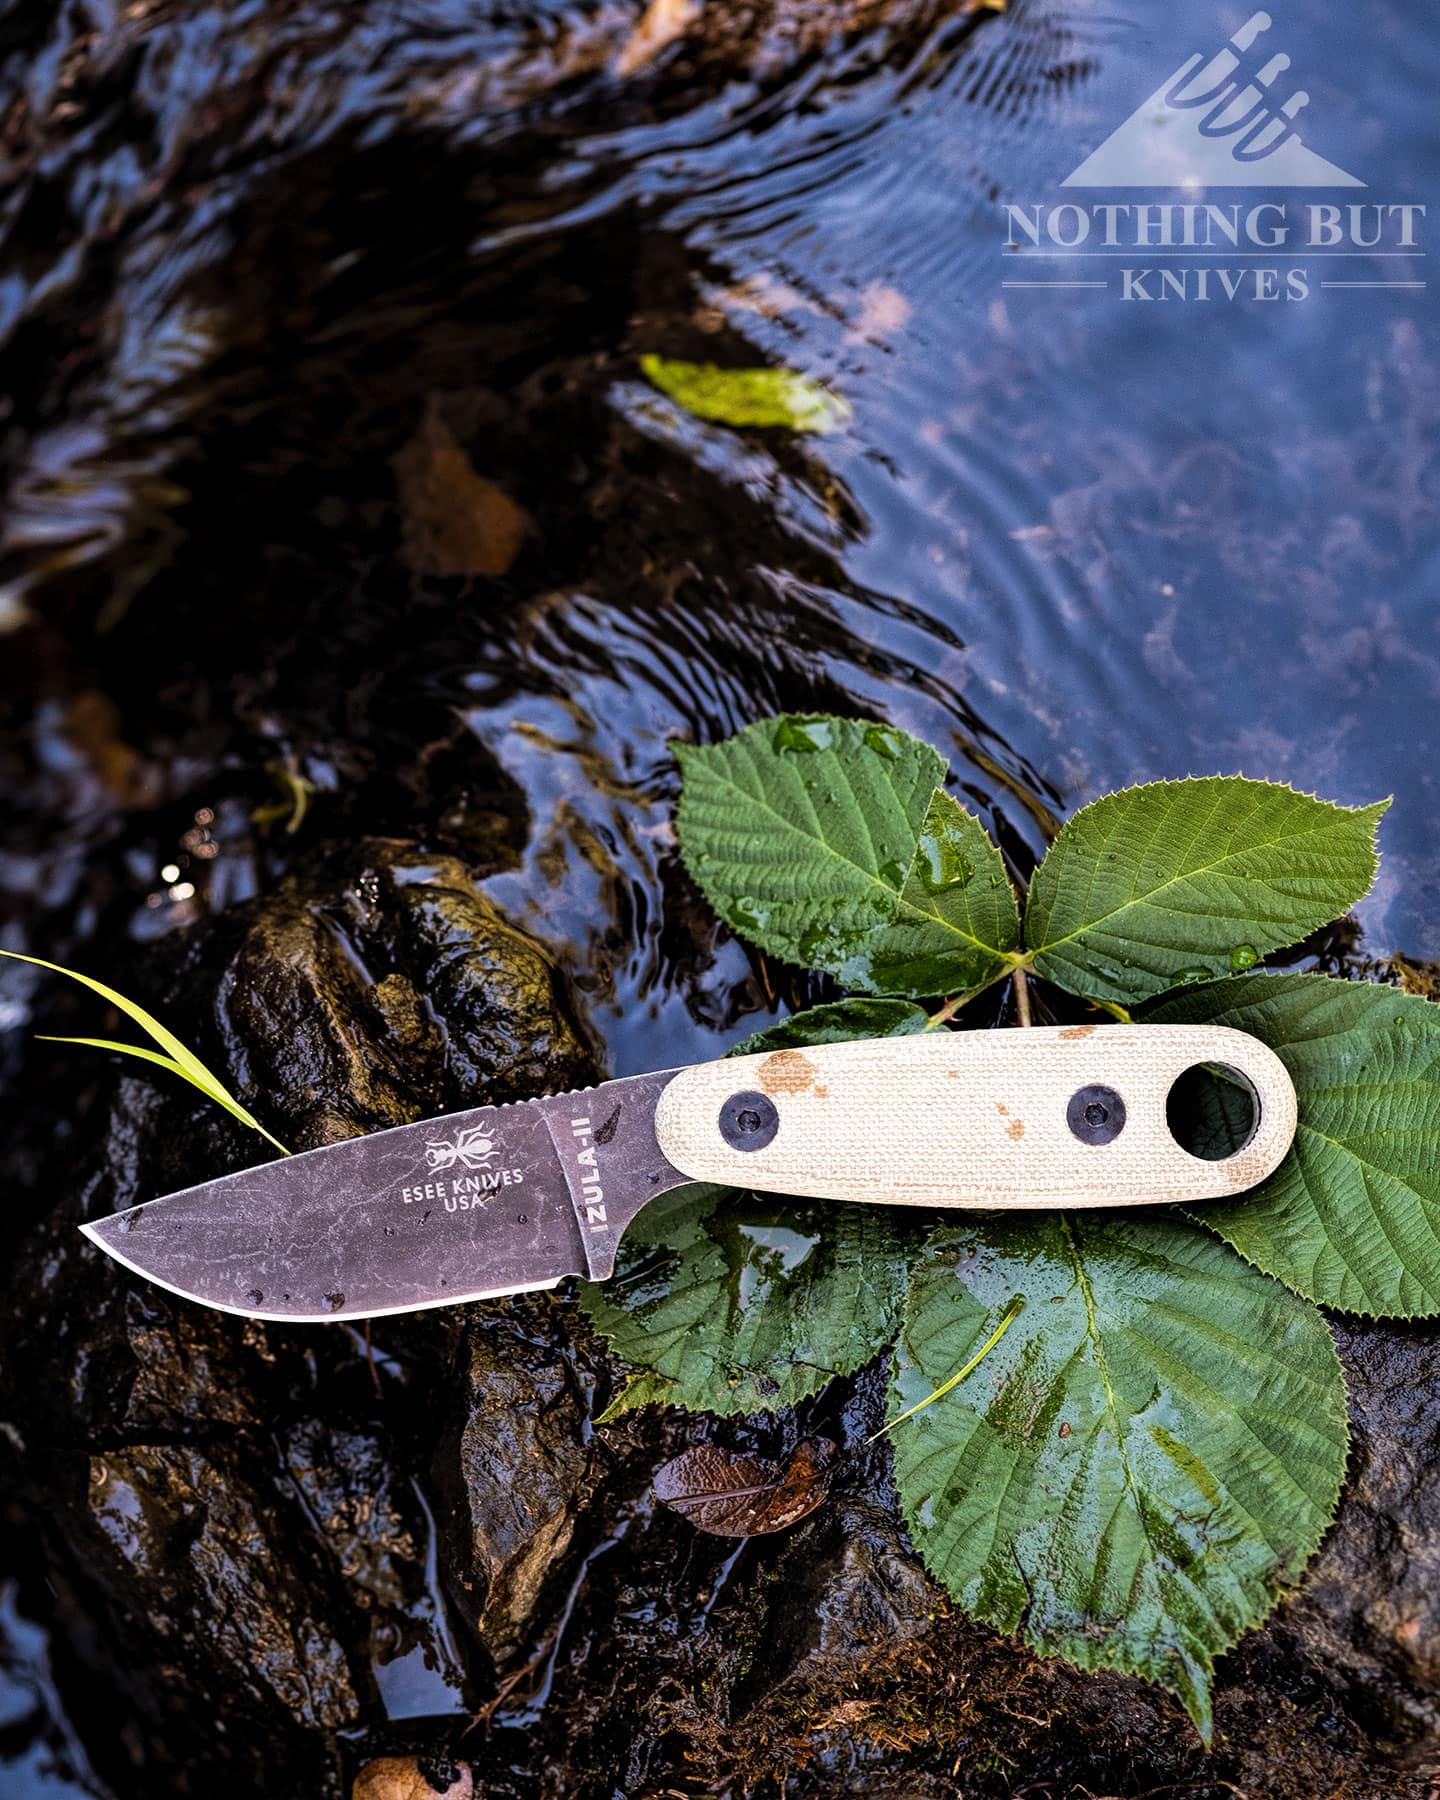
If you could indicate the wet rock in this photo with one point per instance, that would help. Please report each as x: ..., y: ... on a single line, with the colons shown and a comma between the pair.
x: 850, y: 1590
x: 182, y: 1540
x: 297, y: 1015
x: 363, y: 1507
x: 388, y: 986
x: 226, y: 1505
x: 513, y: 1472
x: 510, y: 1026
x: 1369, y: 1610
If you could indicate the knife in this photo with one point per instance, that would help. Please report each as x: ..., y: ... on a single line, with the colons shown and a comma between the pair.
x: 506, y: 1199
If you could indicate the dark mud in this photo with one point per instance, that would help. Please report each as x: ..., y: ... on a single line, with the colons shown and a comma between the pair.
x: 377, y: 815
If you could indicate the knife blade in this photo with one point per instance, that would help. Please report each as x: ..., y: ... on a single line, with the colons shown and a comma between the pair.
x: 506, y: 1199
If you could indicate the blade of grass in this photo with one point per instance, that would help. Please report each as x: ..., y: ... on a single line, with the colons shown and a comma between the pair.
x: 1012, y: 1312
x: 216, y: 1093
x: 155, y: 1056
x: 178, y: 1058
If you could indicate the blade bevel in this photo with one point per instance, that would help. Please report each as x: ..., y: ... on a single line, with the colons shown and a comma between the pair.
x: 297, y: 1318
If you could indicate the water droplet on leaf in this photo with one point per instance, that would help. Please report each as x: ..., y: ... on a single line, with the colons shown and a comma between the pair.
x: 803, y: 734
x: 893, y: 875
x: 942, y: 864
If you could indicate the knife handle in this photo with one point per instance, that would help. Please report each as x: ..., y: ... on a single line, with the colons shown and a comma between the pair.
x: 995, y: 1119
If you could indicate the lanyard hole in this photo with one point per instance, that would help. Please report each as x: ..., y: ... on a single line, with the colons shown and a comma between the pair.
x: 1212, y: 1110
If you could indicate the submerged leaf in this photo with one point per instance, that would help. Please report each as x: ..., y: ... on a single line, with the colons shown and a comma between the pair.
x: 1142, y: 1463
x: 828, y: 842
x: 1351, y: 1218
x: 176, y: 1058
x: 662, y: 22
x: 1186, y: 881
x: 748, y: 396
x: 732, y: 1495
x: 457, y: 521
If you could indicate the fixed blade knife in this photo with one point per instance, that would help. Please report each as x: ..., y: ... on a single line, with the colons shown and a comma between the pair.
x: 504, y: 1199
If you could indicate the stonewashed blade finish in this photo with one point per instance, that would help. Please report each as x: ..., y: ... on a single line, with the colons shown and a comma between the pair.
x: 468, y: 1206
x: 506, y: 1198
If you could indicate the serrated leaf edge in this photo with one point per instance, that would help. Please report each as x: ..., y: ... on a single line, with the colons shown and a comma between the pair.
x: 1257, y: 1193
x: 682, y: 751
x: 1378, y: 807
x: 1278, y: 1590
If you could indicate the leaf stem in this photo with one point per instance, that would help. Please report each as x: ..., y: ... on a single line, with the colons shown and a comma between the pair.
x: 944, y: 1014
x: 1022, y: 996
x: 1012, y: 1312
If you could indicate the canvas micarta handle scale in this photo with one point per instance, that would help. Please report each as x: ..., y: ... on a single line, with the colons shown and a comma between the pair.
x: 1052, y: 1116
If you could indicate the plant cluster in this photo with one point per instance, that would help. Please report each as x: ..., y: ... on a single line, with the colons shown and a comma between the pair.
x: 1149, y: 1454
x: 1121, y: 1435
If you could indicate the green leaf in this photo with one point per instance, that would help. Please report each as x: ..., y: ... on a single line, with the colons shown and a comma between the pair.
x: 956, y: 896
x: 748, y: 396
x: 1143, y: 1462
x: 1183, y: 881
x: 828, y: 843
x: 729, y: 1302
x: 1351, y: 1218
x: 836, y: 1023
x: 176, y: 1058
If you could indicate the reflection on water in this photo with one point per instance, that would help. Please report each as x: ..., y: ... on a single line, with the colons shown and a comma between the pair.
x: 1076, y: 543
x: 41, y: 1756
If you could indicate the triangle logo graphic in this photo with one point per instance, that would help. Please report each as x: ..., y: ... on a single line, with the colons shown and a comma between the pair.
x: 1219, y: 123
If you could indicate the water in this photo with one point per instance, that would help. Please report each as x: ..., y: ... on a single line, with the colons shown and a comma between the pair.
x: 1076, y: 543
x: 41, y: 1754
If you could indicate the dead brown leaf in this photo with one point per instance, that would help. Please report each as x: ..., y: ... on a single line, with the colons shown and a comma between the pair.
x: 92, y: 727
x: 411, y: 1778
x: 456, y: 521
x: 732, y: 1495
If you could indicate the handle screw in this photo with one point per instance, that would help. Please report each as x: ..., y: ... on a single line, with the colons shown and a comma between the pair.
x: 1095, y: 1114
x: 749, y: 1121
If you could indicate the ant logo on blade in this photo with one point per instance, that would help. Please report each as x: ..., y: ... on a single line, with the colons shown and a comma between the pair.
x: 1220, y: 122
x: 470, y: 1147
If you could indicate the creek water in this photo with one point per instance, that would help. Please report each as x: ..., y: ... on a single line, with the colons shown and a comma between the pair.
x: 1076, y: 540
